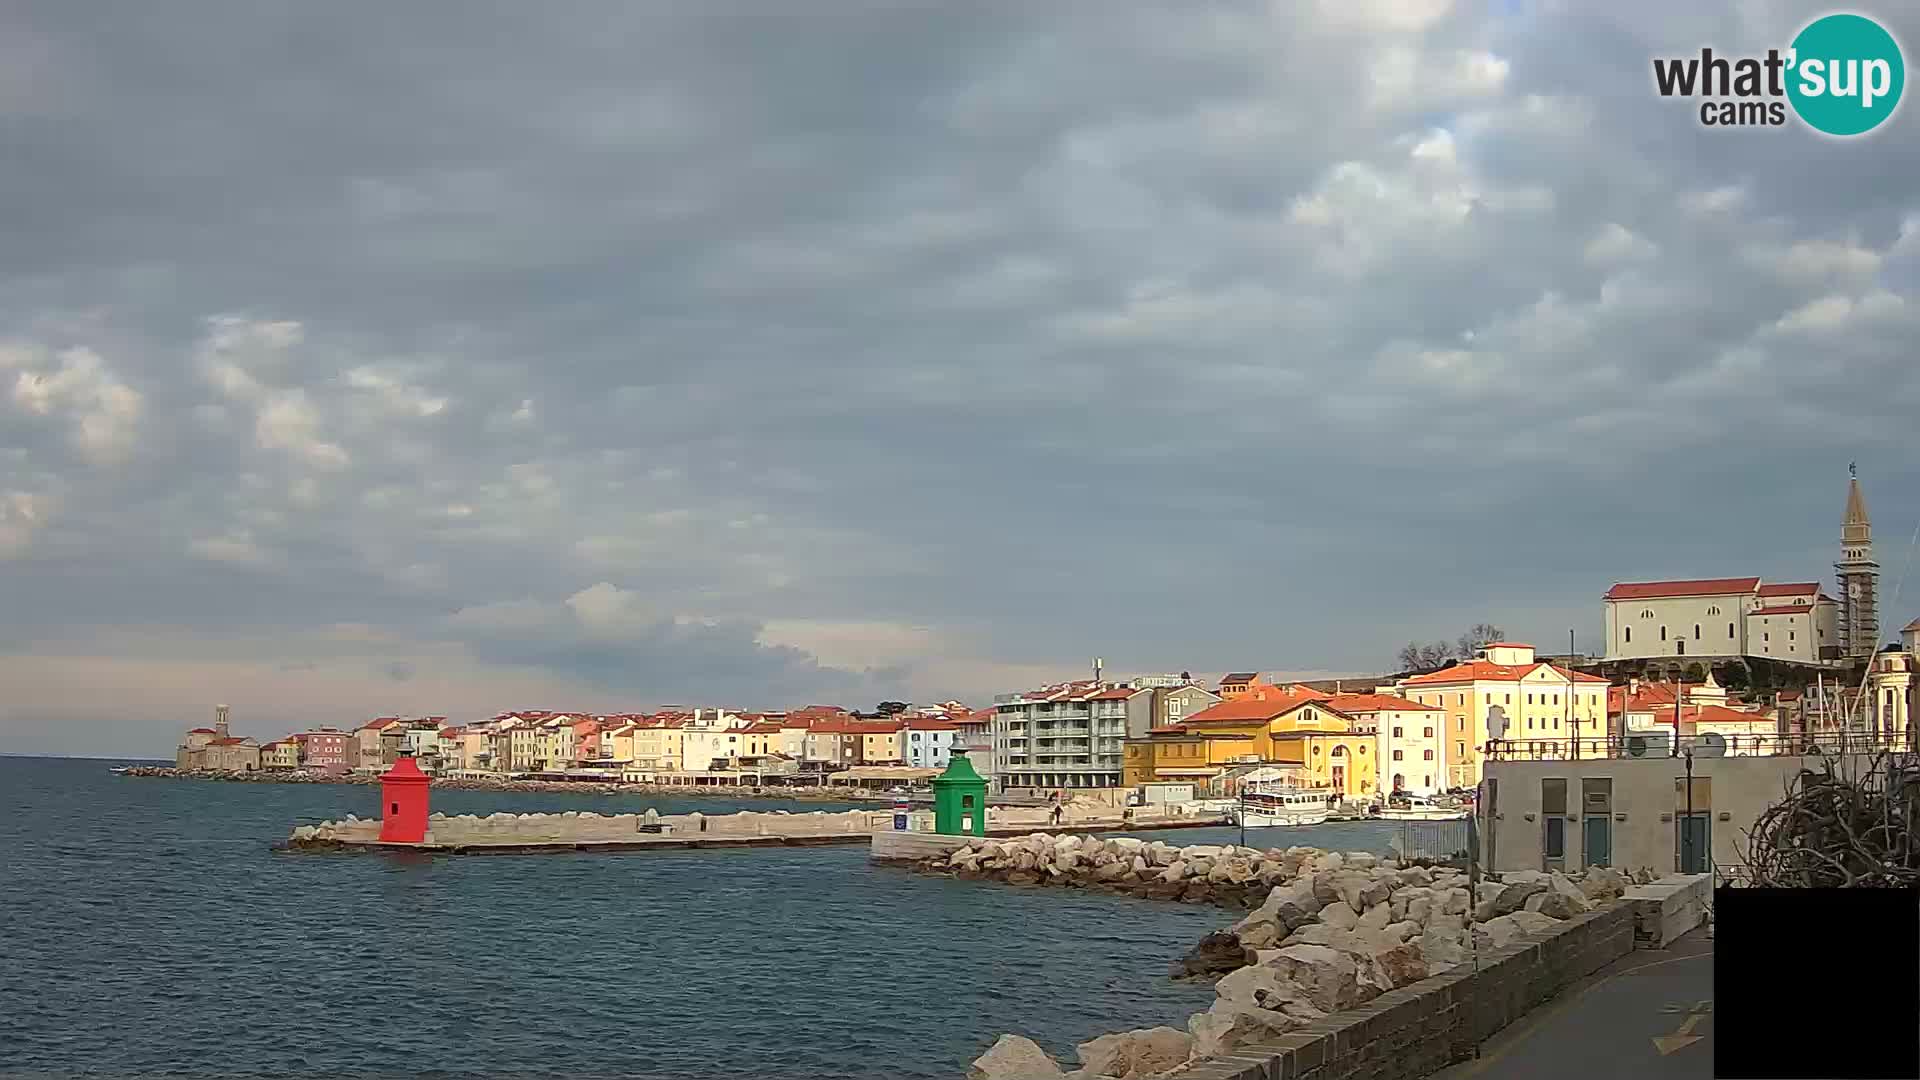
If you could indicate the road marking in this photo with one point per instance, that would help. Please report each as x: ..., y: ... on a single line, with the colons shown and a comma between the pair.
x: 1684, y: 1037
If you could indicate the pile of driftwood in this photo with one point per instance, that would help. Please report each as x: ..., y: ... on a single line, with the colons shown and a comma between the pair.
x: 1841, y: 826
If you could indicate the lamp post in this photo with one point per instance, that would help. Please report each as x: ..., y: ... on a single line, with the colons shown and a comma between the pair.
x: 1240, y: 814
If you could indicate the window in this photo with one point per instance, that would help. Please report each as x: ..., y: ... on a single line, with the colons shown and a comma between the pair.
x: 1397, y: 755
x: 1428, y: 754
x: 1764, y: 637
x: 1646, y: 613
x: 1339, y: 751
x: 1713, y: 611
x: 1629, y: 633
x: 1460, y: 749
x: 1396, y: 732
x: 1529, y: 723
x: 1429, y: 733
x: 1729, y: 631
x: 1509, y: 699
x: 1460, y: 723
x: 1663, y: 633
x: 1789, y: 635
x: 1529, y: 699
x: 1696, y: 631
x: 1429, y: 780
x: 1459, y: 699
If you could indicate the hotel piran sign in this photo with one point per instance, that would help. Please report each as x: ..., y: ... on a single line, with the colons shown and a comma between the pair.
x: 1843, y: 75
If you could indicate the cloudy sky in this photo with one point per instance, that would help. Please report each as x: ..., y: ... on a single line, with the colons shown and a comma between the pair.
x: 361, y: 358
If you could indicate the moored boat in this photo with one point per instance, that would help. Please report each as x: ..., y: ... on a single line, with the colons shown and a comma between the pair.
x: 1263, y: 807
x: 1419, y: 808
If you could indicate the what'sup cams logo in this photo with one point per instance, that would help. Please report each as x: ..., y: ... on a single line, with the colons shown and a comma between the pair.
x: 1842, y: 76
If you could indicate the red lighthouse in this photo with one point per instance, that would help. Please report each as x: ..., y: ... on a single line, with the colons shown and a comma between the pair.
x: 403, y: 804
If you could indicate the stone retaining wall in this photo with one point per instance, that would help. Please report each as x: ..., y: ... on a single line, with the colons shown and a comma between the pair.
x: 1416, y: 1030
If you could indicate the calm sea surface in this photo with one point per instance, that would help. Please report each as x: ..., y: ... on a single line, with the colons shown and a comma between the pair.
x: 146, y: 929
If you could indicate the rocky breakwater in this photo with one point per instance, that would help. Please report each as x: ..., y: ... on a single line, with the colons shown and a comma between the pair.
x: 1334, y: 931
x: 1234, y: 877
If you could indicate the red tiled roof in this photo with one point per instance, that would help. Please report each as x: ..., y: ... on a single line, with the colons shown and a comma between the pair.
x: 1653, y: 590
x: 233, y: 741
x: 1488, y: 671
x: 1244, y: 710
x: 924, y: 723
x: 1171, y: 729
x: 202, y: 731
x: 1116, y: 694
x: 765, y: 727
x: 1350, y: 703
x: 1799, y: 588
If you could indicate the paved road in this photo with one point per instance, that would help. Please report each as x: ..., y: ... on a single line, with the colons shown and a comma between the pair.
x: 1647, y: 1015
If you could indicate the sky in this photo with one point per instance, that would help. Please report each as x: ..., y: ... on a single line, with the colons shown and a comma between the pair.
x: 442, y: 358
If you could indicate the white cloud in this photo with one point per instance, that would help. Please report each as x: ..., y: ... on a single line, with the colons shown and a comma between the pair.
x: 288, y: 421
x: 103, y: 411
x: 1615, y: 243
x: 237, y: 548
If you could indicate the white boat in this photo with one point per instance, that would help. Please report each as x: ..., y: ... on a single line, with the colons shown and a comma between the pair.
x: 1420, y: 808
x: 1266, y: 808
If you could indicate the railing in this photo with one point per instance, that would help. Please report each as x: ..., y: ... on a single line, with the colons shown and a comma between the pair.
x: 1661, y: 744
x: 1438, y: 841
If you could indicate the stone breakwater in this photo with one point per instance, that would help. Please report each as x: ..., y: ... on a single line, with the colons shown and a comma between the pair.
x: 574, y: 827
x: 1328, y: 931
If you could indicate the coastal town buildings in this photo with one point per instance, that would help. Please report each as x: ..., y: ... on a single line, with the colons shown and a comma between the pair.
x: 1074, y: 734
x: 325, y: 750
x: 928, y: 743
x: 1744, y: 618
x: 1722, y: 618
x: 1291, y: 729
x: 217, y: 748
x: 1893, y: 690
x: 1407, y: 740
x: 1541, y: 703
x: 281, y: 755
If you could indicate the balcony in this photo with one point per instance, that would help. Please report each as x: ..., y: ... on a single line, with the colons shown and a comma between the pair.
x: 1661, y: 744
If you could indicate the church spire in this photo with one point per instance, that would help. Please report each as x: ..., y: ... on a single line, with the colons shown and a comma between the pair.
x: 1855, y: 526
x: 1859, y: 616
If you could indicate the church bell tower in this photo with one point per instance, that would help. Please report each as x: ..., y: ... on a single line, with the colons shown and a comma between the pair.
x: 1859, y: 578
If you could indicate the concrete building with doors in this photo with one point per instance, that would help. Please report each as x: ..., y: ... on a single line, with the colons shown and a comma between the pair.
x: 1630, y: 811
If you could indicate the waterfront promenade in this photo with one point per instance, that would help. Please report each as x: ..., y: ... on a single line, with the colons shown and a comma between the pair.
x: 1646, y: 1016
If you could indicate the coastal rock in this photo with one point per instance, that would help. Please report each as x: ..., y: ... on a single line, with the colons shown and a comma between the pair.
x: 1454, y: 901
x: 1362, y: 860
x: 1443, y: 950
x: 1327, y: 976
x: 1602, y: 882
x: 1339, y: 916
x: 1014, y: 1057
x: 1160, y: 854
x: 1129, y: 845
x: 1554, y: 905
x: 1415, y: 876
x: 1132, y: 1054
x: 1023, y: 877
x: 1200, y: 851
x: 1514, y: 897
x: 1328, y: 860
x: 1216, y: 954
x: 1403, y: 964
x: 1401, y: 932
x: 1565, y: 886
x: 1112, y: 871
x: 1175, y: 871
x: 1374, y: 920
x: 1225, y: 1026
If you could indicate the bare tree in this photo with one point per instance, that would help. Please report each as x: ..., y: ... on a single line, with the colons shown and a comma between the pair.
x: 1847, y: 824
x: 1414, y: 656
x: 1477, y: 637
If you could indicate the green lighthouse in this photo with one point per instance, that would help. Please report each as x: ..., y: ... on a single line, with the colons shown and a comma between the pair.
x: 960, y: 800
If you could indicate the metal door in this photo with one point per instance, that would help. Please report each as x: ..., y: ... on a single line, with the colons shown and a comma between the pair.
x: 1693, y: 846
x: 1598, y: 839
x: 1555, y: 846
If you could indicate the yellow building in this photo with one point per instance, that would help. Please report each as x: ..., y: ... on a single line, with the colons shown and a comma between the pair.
x: 660, y: 744
x: 280, y: 754
x: 1297, y: 729
x: 1543, y: 704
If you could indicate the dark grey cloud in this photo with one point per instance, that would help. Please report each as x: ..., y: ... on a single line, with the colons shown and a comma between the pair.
x: 890, y: 348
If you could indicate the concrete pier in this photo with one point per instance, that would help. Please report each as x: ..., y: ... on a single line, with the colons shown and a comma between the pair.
x: 504, y: 833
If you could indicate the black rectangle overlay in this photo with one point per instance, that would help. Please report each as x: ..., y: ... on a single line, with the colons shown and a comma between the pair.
x: 1816, y: 983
